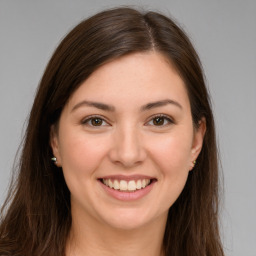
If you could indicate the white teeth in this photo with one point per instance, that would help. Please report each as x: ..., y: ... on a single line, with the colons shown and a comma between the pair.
x: 138, y: 184
x: 116, y: 184
x: 131, y: 185
x: 123, y: 185
x: 111, y: 184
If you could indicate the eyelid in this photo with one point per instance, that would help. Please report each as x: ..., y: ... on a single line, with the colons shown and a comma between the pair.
x: 90, y: 117
x: 104, y: 119
x: 167, y: 117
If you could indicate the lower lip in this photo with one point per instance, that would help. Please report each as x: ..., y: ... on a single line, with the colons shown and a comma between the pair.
x: 128, y: 196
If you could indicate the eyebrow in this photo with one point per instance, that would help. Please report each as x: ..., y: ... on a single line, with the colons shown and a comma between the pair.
x: 98, y: 105
x: 160, y: 103
x: 111, y: 108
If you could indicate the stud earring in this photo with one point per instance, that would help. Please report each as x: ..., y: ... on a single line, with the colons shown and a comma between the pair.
x: 193, y: 163
x: 54, y: 159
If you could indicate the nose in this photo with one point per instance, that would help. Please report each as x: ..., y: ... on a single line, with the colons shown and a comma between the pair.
x: 127, y: 148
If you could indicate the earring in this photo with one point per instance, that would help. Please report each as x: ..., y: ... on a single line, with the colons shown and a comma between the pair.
x: 54, y: 159
x: 192, y: 165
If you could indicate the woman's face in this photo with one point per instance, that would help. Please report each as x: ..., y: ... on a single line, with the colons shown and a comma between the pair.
x: 126, y: 142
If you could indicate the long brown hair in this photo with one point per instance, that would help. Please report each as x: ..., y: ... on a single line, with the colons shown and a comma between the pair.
x: 36, y: 218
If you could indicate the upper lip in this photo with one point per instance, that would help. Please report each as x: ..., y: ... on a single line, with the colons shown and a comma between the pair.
x: 128, y: 178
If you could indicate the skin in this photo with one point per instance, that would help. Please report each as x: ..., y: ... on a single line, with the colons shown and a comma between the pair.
x: 127, y: 141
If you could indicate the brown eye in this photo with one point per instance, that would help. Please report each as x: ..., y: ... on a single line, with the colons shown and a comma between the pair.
x: 158, y: 120
x: 96, y: 121
x: 161, y: 121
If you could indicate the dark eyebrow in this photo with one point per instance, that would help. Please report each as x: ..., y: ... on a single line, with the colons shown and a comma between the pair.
x: 98, y: 105
x: 110, y: 108
x: 160, y: 104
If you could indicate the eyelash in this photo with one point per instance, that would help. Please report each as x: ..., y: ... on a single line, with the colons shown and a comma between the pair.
x: 90, y: 118
x: 166, y: 118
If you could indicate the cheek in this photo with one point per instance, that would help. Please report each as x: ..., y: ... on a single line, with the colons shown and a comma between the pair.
x: 80, y: 157
x: 171, y: 153
x: 81, y: 154
x: 171, y: 158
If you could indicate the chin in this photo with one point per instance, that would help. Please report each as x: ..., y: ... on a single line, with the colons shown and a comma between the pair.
x: 131, y: 219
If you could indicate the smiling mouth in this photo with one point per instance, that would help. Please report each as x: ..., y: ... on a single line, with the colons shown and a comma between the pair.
x: 127, y: 186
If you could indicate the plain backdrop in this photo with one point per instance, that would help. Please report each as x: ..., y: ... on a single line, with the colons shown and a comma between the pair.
x: 224, y: 34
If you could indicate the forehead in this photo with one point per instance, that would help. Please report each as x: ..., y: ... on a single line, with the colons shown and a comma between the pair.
x: 135, y: 78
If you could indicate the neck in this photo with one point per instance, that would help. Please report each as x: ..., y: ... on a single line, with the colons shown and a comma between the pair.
x: 93, y: 238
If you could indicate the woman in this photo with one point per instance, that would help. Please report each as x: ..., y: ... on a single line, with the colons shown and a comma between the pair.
x: 123, y: 113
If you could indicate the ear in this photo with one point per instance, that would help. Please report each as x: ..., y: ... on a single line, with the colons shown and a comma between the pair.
x: 198, y: 140
x: 54, y: 143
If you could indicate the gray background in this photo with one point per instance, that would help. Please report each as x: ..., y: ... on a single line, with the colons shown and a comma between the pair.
x: 224, y: 34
